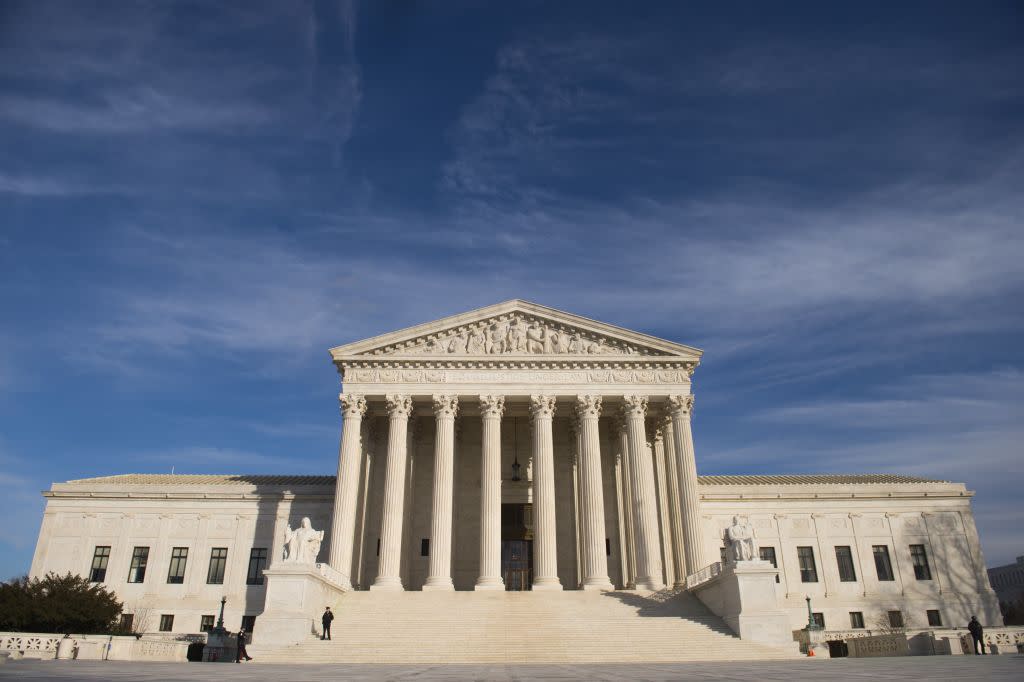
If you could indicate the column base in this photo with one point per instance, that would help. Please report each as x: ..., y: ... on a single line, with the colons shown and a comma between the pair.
x: 438, y: 585
x: 490, y: 584
x: 598, y: 585
x: 652, y: 585
x: 388, y: 584
x: 547, y: 584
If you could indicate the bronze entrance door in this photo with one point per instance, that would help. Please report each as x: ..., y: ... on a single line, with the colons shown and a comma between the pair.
x: 517, y: 546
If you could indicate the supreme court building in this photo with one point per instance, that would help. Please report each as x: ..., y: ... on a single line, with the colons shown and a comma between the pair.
x: 521, y: 448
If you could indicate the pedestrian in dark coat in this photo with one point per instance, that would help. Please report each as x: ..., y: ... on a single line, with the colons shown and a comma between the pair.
x: 240, y: 651
x: 977, y: 634
x: 326, y: 622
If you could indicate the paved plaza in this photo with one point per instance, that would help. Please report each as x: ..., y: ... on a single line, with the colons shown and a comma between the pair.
x: 957, y: 668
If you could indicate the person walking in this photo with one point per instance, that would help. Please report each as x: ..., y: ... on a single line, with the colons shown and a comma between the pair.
x: 977, y: 634
x: 240, y: 651
x: 326, y: 621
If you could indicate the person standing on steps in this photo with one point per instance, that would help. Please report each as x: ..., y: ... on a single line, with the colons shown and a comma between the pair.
x: 240, y: 651
x: 326, y: 621
x: 977, y: 634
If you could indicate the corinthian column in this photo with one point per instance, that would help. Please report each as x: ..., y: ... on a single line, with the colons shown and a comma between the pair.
x: 545, y: 559
x: 628, y: 510
x: 491, y: 409
x: 388, y: 575
x: 680, y: 408
x: 595, y: 559
x: 346, y: 487
x: 440, y: 576
x: 675, y: 508
x: 645, y: 517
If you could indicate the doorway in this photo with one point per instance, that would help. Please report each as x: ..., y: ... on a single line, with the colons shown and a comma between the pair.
x: 517, y: 546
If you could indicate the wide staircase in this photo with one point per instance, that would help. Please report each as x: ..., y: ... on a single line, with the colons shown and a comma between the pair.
x: 522, y: 627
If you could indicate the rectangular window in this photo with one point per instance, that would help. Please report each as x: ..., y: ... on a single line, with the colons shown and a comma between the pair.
x: 378, y: 546
x: 808, y: 571
x: 819, y: 619
x: 137, y: 571
x: 176, y: 572
x: 425, y: 547
x: 166, y: 622
x: 934, y: 618
x: 857, y: 620
x: 922, y: 571
x: 100, y: 557
x: 205, y: 623
x: 895, y: 619
x: 882, y: 564
x: 218, y: 561
x: 721, y: 555
x: 248, y: 624
x: 257, y: 562
x: 847, y: 572
x: 768, y: 554
x: 127, y: 620
x: 607, y: 547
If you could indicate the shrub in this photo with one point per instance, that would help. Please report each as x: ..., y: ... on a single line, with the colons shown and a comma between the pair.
x: 57, y: 603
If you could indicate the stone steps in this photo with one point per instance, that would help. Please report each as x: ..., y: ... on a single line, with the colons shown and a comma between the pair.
x: 521, y: 627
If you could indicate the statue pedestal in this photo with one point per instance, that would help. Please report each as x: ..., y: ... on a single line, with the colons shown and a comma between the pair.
x: 296, y: 597
x: 743, y: 595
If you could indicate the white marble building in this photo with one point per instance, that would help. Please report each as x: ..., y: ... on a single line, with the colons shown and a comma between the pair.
x: 521, y: 447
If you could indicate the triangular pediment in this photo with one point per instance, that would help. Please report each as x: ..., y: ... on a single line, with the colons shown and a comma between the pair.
x: 511, y: 329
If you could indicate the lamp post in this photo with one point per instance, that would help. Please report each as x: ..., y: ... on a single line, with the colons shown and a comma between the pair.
x: 224, y: 600
x: 811, y: 625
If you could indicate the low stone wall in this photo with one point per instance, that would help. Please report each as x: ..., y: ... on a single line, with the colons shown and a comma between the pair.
x: 879, y: 645
x: 92, y: 647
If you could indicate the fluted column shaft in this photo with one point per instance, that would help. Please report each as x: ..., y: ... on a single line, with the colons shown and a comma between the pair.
x: 491, y: 409
x: 661, y: 483
x: 648, y: 552
x: 346, y: 486
x: 595, y: 559
x: 675, y: 509
x: 388, y: 574
x: 629, y: 544
x: 440, y: 572
x: 545, y: 556
x: 680, y: 409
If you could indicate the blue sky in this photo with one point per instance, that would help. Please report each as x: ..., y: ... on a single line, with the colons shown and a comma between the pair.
x: 198, y: 199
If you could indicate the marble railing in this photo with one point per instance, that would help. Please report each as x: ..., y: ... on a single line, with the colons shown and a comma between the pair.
x: 332, y: 574
x: 130, y: 648
x: 704, y: 575
x: 30, y: 641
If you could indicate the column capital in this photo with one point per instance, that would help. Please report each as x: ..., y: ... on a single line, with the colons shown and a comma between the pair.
x: 681, y: 405
x: 398, y: 405
x: 634, y: 405
x: 446, y: 406
x: 542, y: 406
x: 492, y: 405
x: 588, y: 406
x: 352, y: 405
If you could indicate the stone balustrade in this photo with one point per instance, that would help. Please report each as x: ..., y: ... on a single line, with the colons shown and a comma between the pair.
x: 705, y: 574
x: 93, y: 647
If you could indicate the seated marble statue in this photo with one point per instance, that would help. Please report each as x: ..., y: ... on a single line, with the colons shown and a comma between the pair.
x: 302, y: 545
x: 742, y: 544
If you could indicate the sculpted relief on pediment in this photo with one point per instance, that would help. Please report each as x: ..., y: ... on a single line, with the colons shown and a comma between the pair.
x: 513, y: 334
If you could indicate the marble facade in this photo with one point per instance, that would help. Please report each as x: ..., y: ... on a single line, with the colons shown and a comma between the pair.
x: 435, y: 417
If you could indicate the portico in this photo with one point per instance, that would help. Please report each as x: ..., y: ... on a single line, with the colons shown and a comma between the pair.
x: 433, y: 417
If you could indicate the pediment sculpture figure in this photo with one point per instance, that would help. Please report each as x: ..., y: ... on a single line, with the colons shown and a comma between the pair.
x: 302, y: 545
x: 742, y: 543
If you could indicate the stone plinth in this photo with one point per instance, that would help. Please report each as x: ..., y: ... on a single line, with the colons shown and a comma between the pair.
x: 743, y: 595
x: 296, y: 597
